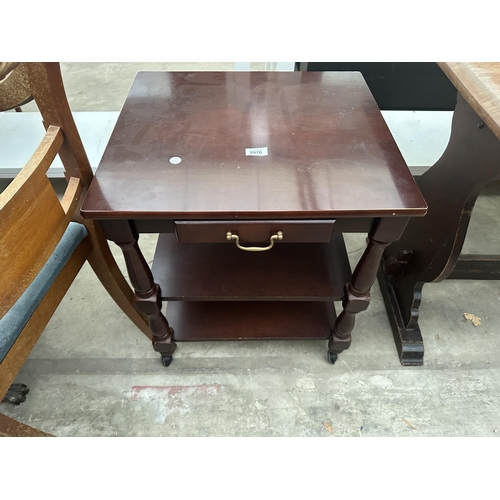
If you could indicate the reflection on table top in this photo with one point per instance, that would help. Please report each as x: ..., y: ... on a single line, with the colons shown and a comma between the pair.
x: 180, y: 149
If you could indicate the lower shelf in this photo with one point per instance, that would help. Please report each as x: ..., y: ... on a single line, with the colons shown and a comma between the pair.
x: 247, y: 320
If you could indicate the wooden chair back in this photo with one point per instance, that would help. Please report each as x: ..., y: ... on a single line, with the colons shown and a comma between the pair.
x: 33, y: 220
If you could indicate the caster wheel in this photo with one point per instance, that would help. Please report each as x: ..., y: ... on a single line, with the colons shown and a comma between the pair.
x: 14, y: 398
x: 166, y: 360
x: 20, y: 388
x: 332, y: 357
x: 16, y: 394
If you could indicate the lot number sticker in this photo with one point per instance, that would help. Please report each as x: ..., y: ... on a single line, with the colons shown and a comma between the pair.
x: 256, y: 151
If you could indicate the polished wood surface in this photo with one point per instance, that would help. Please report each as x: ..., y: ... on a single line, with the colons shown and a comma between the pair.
x: 28, y: 237
x: 294, y: 271
x: 430, y: 248
x: 147, y: 295
x: 330, y: 152
x: 357, y: 292
x: 205, y: 321
x: 254, y: 231
x: 177, y: 161
x: 479, y: 84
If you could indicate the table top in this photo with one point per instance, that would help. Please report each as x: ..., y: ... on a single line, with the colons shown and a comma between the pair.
x: 479, y: 85
x: 329, y: 150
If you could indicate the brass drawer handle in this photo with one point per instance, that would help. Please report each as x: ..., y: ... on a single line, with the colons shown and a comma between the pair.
x: 230, y: 236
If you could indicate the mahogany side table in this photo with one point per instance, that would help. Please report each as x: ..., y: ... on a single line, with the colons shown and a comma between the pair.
x: 251, y: 178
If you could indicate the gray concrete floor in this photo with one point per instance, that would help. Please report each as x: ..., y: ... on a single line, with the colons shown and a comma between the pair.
x: 93, y: 373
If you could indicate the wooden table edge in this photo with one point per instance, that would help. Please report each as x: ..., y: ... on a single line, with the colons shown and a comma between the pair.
x: 456, y: 72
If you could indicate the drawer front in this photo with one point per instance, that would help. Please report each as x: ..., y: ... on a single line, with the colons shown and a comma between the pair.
x: 306, y: 231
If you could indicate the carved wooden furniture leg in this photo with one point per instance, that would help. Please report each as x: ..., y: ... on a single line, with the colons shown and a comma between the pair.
x: 357, y: 291
x: 430, y: 247
x: 147, y: 292
x: 202, y: 199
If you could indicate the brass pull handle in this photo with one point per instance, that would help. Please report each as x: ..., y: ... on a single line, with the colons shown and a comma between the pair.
x: 230, y: 236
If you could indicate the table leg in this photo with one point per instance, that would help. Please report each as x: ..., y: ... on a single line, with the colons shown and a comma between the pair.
x: 357, y: 291
x: 147, y: 292
x: 430, y: 246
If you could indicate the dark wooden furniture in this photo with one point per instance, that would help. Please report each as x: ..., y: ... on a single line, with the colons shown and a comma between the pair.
x: 400, y: 85
x: 220, y: 161
x: 430, y: 249
x: 44, y: 242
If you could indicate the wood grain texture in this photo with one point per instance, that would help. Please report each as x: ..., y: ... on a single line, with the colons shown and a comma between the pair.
x: 294, y: 271
x: 15, y: 89
x: 35, y: 168
x: 47, y: 88
x: 254, y: 231
x: 6, y: 68
x: 33, y: 220
x: 177, y: 159
x: 476, y: 267
x: 479, y: 84
x: 450, y: 187
x: 330, y: 152
x: 430, y: 248
x: 193, y: 321
x: 12, y: 428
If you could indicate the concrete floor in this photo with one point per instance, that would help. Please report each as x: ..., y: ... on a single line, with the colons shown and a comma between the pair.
x: 93, y: 373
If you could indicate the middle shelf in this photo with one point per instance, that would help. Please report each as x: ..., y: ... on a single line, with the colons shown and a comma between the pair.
x: 222, y: 272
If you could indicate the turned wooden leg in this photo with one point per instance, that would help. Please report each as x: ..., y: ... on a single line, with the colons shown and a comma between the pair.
x: 357, y: 295
x: 147, y: 292
x: 357, y: 291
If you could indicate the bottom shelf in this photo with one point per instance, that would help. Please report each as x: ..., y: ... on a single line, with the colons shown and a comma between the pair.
x: 201, y: 321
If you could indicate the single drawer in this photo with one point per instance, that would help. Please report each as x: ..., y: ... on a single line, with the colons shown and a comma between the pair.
x: 304, y: 231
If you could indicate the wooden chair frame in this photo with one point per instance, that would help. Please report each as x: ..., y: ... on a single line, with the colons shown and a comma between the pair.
x: 33, y: 221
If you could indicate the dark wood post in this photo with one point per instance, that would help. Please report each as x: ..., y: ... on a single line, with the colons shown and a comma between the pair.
x: 147, y: 292
x: 357, y: 296
x: 357, y: 291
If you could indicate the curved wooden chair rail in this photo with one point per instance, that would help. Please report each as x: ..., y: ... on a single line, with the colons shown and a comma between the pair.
x: 45, y: 241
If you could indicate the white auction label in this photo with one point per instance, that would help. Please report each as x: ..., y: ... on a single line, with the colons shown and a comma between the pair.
x: 256, y: 151
x: 175, y: 160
